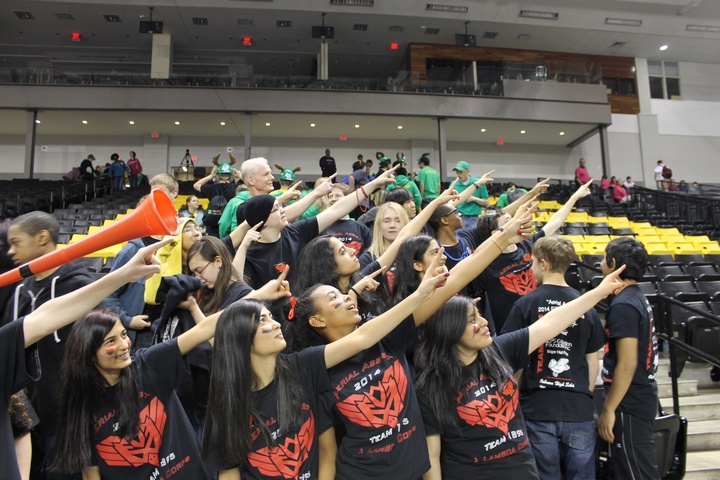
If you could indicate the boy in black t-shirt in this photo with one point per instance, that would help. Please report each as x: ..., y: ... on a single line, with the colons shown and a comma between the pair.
x: 631, y: 396
x: 556, y: 389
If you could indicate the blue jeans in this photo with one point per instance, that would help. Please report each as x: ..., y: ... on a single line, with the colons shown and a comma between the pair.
x: 563, y: 449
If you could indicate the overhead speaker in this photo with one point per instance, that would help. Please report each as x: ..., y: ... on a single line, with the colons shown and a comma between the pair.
x: 323, y: 32
x: 150, y: 26
x: 156, y: 215
x: 465, y: 40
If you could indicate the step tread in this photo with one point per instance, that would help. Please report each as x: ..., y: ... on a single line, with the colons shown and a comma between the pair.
x: 703, y: 427
x: 700, y: 399
x: 707, y: 460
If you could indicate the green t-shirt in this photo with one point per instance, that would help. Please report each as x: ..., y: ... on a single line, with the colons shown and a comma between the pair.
x: 430, y: 179
x: 471, y: 209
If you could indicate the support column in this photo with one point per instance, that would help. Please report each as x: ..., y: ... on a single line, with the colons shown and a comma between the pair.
x: 604, y: 149
x: 442, y: 148
x: 248, y: 135
x: 322, y: 71
x: 474, y: 72
x: 30, y: 131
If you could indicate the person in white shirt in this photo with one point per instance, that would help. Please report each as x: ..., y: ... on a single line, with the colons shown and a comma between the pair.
x: 658, y: 175
x: 628, y: 183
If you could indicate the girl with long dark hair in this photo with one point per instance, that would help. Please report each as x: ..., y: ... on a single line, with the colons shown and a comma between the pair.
x: 468, y: 394
x: 372, y: 392
x: 416, y: 254
x: 327, y: 261
x: 209, y: 259
x: 263, y: 405
x: 120, y: 418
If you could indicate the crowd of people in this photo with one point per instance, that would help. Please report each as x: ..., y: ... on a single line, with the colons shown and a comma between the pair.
x: 289, y: 339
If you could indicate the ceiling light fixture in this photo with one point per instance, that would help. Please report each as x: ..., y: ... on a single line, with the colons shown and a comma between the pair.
x: 312, y: 125
x: 84, y: 122
x: 703, y: 28
x: 522, y: 132
x: 623, y: 22
x: 177, y: 123
x: 446, y: 8
x: 267, y: 124
x: 540, y: 15
x: 483, y: 130
x: 222, y: 124
x: 399, y: 127
x: 562, y: 133
x: 38, y: 121
x: 664, y: 47
x: 357, y: 126
x: 131, y: 122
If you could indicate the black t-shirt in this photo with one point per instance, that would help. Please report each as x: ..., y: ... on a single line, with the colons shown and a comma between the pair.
x: 327, y: 165
x: 210, y: 190
x: 555, y: 385
x: 265, y: 261
x: 630, y: 316
x: 508, y: 278
x: 20, y: 367
x: 353, y: 234
x: 293, y: 455
x: 166, y: 445
x: 374, y: 397
x: 492, y: 440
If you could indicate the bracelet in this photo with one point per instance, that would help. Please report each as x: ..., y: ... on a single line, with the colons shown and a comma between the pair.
x: 354, y: 291
x: 497, y: 245
x: 362, y: 188
x: 476, y: 185
x: 500, y: 229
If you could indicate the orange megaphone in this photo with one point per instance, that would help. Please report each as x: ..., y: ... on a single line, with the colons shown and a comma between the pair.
x: 156, y: 215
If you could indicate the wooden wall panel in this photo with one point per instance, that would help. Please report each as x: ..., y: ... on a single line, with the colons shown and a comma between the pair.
x: 558, y: 63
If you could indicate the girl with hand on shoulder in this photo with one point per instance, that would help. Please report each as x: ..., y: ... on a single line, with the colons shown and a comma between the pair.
x: 468, y: 394
x: 263, y: 408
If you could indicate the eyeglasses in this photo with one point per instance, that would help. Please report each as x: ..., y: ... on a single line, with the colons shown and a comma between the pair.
x: 198, y: 273
x: 454, y: 210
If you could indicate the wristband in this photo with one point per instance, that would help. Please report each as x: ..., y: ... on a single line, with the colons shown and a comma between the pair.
x: 354, y: 291
x: 501, y: 229
x: 497, y: 245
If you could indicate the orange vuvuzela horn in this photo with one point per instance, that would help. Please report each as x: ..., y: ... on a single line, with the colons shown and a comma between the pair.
x: 156, y: 215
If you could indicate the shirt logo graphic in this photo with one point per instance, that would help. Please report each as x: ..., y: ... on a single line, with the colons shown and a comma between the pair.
x: 381, y: 406
x: 496, y: 411
x: 285, y: 460
x: 559, y: 366
x: 119, y: 452
x: 519, y: 283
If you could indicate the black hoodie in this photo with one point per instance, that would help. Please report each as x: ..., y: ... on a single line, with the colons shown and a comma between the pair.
x: 28, y: 296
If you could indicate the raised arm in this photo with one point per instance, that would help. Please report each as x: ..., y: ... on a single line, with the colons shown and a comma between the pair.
x: 205, y: 330
x: 468, y: 192
x: 416, y: 224
x: 68, y: 308
x: 536, y: 191
x: 197, y: 185
x: 516, y: 230
x: 373, y: 331
x: 251, y: 236
x: 550, y: 326
x: 559, y: 217
x: 346, y: 205
x: 293, y: 212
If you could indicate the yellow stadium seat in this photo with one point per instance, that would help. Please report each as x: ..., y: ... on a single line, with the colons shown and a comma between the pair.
x: 107, y: 222
x: 711, y: 248
x: 595, y: 248
x: 685, y: 248
x: 575, y: 238
x: 205, y: 202
x: 673, y: 239
x: 698, y: 239
x: 180, y: 201
x: 597, y: 238
x: 668, y: 231
x: 641, y: 225
x: 645, y: 231
x: 60, y: 245
x: 106, y: 252
x: 581, y: 249
x: 94, y: 229
x: 491, y: 200
x: 659, y: 249
x: 650, y: 239
x: 598, y: 220
x: 76, y: 237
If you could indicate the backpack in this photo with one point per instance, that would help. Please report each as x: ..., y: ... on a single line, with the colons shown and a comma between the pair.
x: 516, y: 194
x: 666, y: 173
x: 215, y: 209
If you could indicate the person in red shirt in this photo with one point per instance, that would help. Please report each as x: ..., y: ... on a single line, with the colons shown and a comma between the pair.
x: 581, y: 174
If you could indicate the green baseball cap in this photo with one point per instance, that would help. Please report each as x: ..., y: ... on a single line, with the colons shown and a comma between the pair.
x: 224, y: 169
x: 287, y: 175
x: 460, y: 166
